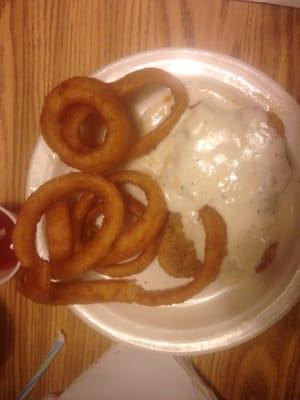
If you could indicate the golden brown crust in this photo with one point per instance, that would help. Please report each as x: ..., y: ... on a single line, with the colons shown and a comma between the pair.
x: 48, y: 194
x: 145, y: 229
x: 100, y: 96
x: 35, y: 283
x: 59, y: 231
x: 177, y: 254
x: 215, y: 250
x: 78, y: 118
x: 135, y: 266
x: 134, y: 82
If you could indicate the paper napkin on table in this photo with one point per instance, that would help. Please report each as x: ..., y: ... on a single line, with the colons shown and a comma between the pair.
x: 130, y: 374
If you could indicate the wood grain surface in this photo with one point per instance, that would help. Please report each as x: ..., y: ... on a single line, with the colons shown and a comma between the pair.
x: 45, y: 41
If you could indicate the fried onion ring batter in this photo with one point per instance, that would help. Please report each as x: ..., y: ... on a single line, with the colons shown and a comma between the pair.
x: 100, y: 96
x: 49, y: 193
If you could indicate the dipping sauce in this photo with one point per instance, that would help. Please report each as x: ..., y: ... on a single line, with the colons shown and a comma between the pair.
x: 227, y: 156
x: 8, y: 258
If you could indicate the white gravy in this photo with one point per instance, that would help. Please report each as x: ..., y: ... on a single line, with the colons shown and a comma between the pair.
x: 226, y: 156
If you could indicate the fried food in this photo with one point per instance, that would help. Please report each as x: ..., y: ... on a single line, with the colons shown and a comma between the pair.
x: 8, y: 257
x: 47, y: 195
x: 85, y: 215
x: 215, y: 250
x: 139, y: 263
x: 129, y: 86
x: 135, y: 266
x: 59, y: 231
x: 103, y: 99
x: 89, y: 223
x: 134, y: 206
x: 87, y: 212
x: 131, y: 233
x: 133, y: 83
x: 145, y: 229
x: 177, y: 254
x: 36, y: 284
x: 80, y: 211
x: 80, y: 128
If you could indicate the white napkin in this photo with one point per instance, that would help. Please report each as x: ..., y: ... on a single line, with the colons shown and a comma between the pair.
x: 130, y: 374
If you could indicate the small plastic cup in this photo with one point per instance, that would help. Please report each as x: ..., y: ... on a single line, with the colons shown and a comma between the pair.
x: 7, y: 274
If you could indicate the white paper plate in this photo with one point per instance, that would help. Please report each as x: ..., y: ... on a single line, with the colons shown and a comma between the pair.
x: 220, y: 316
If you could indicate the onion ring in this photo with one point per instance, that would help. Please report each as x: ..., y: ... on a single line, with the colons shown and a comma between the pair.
x: 76, y: 117
x: 144, y: 230
x: 36, y: 283
x: 215, y: 250
x: 139, y: 263
x: 44, y: 197
x: 132, y: 267
x: 80, y: 211
x: 59, y: 231
x: 102, y: 99
x: 133, y: 205
x: 84, y: 216
x: 132, y: 83
x: 88, y: 225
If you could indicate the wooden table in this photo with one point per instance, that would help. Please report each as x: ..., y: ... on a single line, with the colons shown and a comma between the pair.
x: 45, y: 41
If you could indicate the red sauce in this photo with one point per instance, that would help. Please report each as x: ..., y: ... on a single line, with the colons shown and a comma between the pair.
x: 8, y: 258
